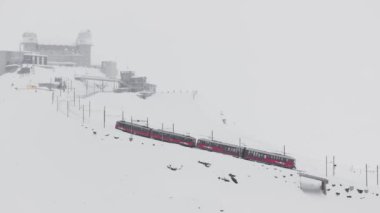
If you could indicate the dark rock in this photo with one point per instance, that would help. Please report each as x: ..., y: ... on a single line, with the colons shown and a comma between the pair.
x: 205, y: 163
x: 233, y: 178
x: 223, y: 179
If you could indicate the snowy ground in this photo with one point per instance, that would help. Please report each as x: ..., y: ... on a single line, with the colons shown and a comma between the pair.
x: 53, y: 163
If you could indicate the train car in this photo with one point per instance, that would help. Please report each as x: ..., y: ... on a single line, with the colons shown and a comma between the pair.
x: 268, y: 158
x: 220, y: 147
x: 172, y: 137
x: 132, y: 128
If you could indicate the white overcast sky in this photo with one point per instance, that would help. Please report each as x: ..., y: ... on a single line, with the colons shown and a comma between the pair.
x: 187, y: 38
x: 304, y: 70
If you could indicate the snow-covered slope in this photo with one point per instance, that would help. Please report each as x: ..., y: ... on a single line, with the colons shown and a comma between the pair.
x: 53, y: 163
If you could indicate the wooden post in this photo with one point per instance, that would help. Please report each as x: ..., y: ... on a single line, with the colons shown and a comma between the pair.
x: 334, y: 165
x: 104, y: 117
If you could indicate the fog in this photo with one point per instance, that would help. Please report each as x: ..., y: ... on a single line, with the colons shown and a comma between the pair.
x: 303, y: 73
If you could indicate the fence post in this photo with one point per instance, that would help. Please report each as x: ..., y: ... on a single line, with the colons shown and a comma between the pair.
x: 334, y: 165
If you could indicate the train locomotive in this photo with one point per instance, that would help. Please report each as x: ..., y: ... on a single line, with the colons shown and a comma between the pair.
x: 209, y: 145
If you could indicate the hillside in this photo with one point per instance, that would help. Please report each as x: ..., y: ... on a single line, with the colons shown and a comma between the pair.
x: 54, y: 163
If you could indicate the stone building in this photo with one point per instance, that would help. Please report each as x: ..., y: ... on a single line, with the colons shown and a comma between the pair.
x: 77, y: 54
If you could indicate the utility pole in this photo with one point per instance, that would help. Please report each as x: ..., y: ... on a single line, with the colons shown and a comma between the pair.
x: 89, y: 109
x: 122, y: 115
x: 83, y: 114
x: 67, y: 109
x: 162, y: 131
x: 79, y: 102
x: 240, y: 151
x: 57, y: 104
x: 284, y: 150
x: 212, y: 135
x: 131, y: 138
x: 334, y: 165
x: 173, y: 127
x: 147, y: 122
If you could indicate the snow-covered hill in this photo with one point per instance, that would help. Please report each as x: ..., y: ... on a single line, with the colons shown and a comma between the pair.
x: 51, y: 162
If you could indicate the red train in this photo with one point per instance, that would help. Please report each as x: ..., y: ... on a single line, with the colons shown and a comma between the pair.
x: 156, y: 134
x: 210, y: 145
